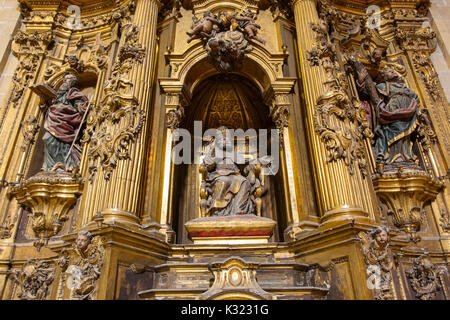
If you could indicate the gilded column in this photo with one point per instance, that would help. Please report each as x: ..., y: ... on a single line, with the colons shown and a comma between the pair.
x: 341, y: 181
x: 118, y: 146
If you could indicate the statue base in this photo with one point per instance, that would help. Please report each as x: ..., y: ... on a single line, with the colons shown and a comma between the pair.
x: 238, y: 229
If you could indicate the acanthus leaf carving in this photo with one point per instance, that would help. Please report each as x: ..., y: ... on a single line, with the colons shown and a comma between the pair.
x: 423, y: 277
x: 34, y: 279
x: 29, y: 48
x: 112, y: 126
x: 6, y: 228
x: 445, y: 220
x: 343, y: 138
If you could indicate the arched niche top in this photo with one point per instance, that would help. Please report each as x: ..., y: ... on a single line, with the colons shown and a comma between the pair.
x: 214, y: 6
x: 88, y: 78
x: 191, y: 67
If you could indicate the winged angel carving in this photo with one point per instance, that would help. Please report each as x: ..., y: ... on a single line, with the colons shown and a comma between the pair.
x: 82, y: 265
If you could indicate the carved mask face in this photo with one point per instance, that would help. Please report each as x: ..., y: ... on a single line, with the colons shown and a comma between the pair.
x: 377, y: 55
x: 382, y: 238
x: 73, y: 61
x: 82, y: 242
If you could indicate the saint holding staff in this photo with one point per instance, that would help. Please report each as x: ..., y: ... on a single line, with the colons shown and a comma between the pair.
x: 63, y: 120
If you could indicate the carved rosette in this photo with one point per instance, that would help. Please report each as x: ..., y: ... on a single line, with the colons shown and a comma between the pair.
x: 423, y: 277
x: 340, y: 122
x: 81, y: 269
x: 49, y: 195
x: 115, y: 124
x: 34, y: 279
x: 405, y: 195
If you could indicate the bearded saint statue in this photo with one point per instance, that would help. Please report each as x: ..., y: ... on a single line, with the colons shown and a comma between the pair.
x: 229, y: 192
x: 394, y: 113
x: 62, y: 122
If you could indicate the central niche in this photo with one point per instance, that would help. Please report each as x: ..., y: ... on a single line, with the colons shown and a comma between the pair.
x: 235, y: 102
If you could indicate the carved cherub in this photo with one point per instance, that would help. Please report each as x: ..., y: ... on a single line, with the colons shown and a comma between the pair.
x: 247, y: 24
x: 378, y: 259
x: 83, y: 240
x: 203, y: 28
x: 75, y: 63
x: 82, y: 265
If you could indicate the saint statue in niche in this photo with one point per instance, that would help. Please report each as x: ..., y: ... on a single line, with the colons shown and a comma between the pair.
x: 62, y: 123
x: 225, y: 191
x: 393, y: 112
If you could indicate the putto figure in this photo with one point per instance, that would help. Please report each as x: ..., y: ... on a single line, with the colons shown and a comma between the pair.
x: 82, y: 265
x: 248, y: 25
x: 225, y: 191
x: 204, y: 27
x: 375, y: 247
x: 226, y: 37
x: 62, y: 122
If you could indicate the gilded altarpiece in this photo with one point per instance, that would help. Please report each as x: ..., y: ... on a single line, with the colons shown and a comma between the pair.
x: 94, y: 206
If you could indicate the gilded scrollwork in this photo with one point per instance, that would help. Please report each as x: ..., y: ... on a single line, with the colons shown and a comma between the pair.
x: 445, y: 220
x: 29, y: 48
x: 6, y: 228
x: 112, y: 126
x: 34, y: 279
x: 406, y: 209
x: 345, y: 139
x: 423, y: 277
x: 49, y: 195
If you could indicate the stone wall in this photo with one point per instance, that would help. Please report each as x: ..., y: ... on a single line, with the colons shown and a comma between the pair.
x: 440, y: 23
x: 9, y: 22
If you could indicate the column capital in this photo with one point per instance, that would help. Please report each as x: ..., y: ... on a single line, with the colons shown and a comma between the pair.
x: 294, y: 2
